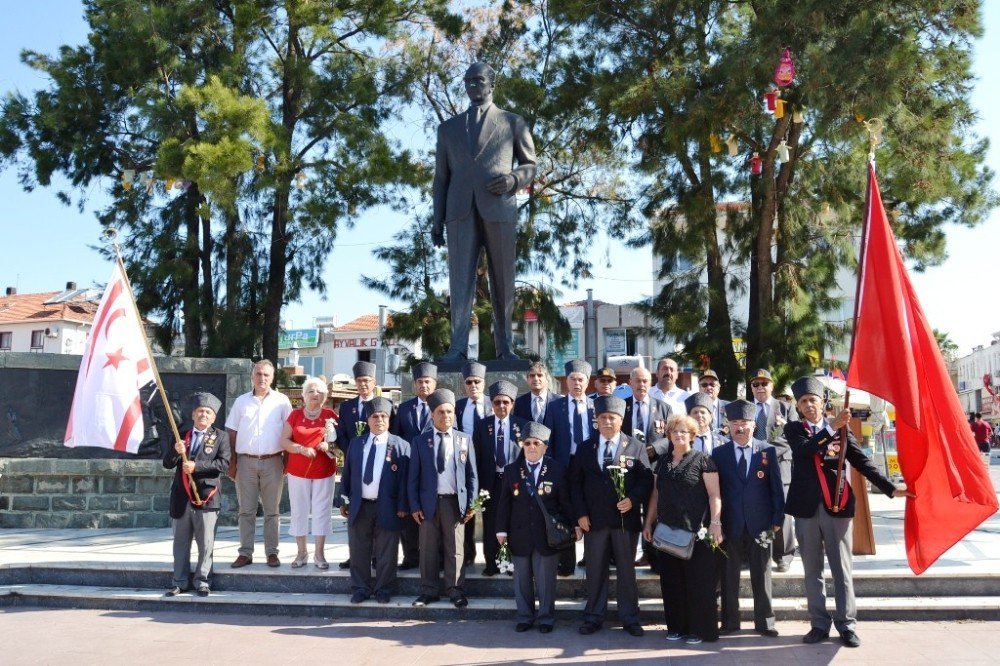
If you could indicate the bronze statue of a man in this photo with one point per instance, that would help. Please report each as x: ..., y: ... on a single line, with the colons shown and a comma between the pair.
x: 484, y: 156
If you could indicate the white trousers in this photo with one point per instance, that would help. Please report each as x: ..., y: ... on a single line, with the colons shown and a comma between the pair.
x: 310, y: 498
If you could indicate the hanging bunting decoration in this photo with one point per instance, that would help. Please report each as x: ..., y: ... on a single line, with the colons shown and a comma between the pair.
x: 259, y: 163
x: 169, y: 185
x: 784, y: 74
x: 783, y: 152
x: 128, y: 177
x: 300, y: 180
x: 798, y: 117
x: 733, y: 144
x: 756, y: 167
x: 779, y: 109
x: 714, y: 143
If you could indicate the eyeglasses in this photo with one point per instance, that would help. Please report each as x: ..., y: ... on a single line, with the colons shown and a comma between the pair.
x: 758, y: 384
x: 681, y: 432
x: 527, y: 443
x: 470, y: 382
x: 707, y: 384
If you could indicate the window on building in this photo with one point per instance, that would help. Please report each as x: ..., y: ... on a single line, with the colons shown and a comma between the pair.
x: 5, y: 340
x: 311, y: 365
x: 631, y: 341
x: 366, y: 355
x: 37, y: 340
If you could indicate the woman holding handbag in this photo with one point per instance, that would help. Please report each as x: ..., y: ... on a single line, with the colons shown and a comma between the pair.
x: 686, y: 508
x: 533, y: 512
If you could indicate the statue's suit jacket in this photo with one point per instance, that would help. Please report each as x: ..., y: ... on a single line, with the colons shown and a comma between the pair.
x: 463, y: 172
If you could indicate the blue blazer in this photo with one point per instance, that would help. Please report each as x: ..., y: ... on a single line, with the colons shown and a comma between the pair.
x: 522, y: 405
x: 347, y: 425
x: 406, y: 421
x: 484, y: 441
x: 392, y: 496
x: 423, y: 476
x: 557, y: 420
x: 753, y: 503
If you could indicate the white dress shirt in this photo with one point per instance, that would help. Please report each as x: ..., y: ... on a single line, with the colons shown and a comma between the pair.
x: 258, y: 422
x: 369, y: 491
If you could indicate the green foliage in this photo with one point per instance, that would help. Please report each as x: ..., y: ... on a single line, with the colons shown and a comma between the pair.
x: 671, y: 76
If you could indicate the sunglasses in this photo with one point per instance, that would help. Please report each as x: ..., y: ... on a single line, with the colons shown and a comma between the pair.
x: 758, y: 384
x: 707, y: 385
x: 527, y: 443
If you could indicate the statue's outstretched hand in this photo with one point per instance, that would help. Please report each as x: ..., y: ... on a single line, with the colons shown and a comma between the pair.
x: 437, y: 236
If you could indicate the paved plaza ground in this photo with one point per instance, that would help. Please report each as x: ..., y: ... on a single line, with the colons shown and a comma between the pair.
x: 75, y: 636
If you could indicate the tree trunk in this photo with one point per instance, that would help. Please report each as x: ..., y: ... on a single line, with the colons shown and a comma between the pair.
x: 278, y: 263
x: 189, y: 287
x: 207, y: 288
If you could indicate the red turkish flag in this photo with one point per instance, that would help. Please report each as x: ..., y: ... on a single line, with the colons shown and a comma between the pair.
x: 896, y: 357
x: 107, y: 410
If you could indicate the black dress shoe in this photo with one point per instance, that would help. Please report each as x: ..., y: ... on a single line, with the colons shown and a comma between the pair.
x: 358, y: 597
x: 770, y: 633
x: 588, y: 628
x: 565, y: 572
x: 582, y: 562
x: 850, y: 639
x: 173, y: 592
x: 728, y: 630
x: 545, y: 629
x: 460, y: 602
x: 634, y: 630
x: 425, y: 599
x: 782, y: 567
x: 815, y: 636
x: 491, y: 571
x: 346, y: 564
x: 203, y: 591
x: 522, y: 627
x: 406, y: 566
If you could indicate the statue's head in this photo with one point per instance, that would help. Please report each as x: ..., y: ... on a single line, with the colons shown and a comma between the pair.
x: 479, y: 80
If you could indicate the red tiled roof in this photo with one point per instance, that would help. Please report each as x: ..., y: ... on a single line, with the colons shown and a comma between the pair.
x: 22, y: 308
x: 366, y: 322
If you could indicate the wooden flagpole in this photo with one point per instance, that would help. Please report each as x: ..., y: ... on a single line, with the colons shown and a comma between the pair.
x: 110, y: 236
x: 864, y: 536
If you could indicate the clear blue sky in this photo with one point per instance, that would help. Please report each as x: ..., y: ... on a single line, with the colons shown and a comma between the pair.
x: 46, y: 244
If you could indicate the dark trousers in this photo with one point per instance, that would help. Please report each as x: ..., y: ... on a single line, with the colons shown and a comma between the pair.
x: 409, y: 540
x: 688, y: 589
x: 365, y: 539
x: 490, y: 544
x: 599, y: 545
x: 470, y: 540
x: 759, y: 560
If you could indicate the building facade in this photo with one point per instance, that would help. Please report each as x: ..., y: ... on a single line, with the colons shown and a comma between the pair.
x: 974, y: 372
x: 52, y: 322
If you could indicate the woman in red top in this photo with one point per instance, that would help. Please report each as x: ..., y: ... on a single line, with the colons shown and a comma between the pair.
x: 306, y: 437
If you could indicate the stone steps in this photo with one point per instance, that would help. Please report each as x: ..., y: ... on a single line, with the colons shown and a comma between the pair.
x: 256, y: 590
x: 480, y: 608
x: 259, y: 578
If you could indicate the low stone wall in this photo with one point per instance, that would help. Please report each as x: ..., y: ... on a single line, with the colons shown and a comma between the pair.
x: 55, y: 493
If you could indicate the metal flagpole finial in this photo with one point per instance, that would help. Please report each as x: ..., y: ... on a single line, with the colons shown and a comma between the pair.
x: 875, y: 126
x: 110, y: 236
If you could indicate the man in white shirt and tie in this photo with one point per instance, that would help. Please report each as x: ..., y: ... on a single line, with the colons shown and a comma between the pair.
x: 469, y: 412
x: 413, y: 418
x: 497, y: 445
x: 666, y: 388
x: 442, y: 484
